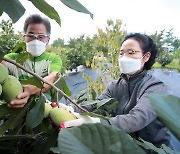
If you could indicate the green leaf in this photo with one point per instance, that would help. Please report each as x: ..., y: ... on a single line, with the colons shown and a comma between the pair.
x: 167, y: 108
x: 2, y: 102
x: 33, y: 81
x: 23, y: 57
x: 6, y: 125
x: 98, y: 102
x: 36, y: 114
x: 55, y: 149
x: 109, y: 104
x: 48, y: 143
x: 81, y: 96
x: 18, y: 119
x: 61, y: 84
x: 1, y: 12
x: 75, y: 5
x: 2, y: 53
x: 5, y: 110
x: 21, y: 143
x: 95, y: 115
x: 89, y: 102
x: 13, y: 8
x: 19, y: 47
x: 16, y: 137
x: 48, y: 10
x: 150, y: 146
x: 93, y: 93
x: 96, y: 138
x: 167, y: 149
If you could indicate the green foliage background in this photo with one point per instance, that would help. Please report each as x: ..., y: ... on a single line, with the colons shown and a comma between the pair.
x: 25, y: 131
x: 8, y: 37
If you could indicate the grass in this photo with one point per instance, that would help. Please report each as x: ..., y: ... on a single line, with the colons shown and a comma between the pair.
x: 175, y: 64
x: 156, y: 65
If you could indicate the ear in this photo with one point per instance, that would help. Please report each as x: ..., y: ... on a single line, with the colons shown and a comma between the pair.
x: 47, y: 42
x: 147, y: 56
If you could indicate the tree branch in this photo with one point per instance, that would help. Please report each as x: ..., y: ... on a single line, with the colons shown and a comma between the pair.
x: 44, y: 81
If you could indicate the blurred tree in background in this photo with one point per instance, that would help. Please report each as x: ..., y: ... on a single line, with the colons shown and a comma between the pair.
x: 8, y: 37
x: 167, y: 44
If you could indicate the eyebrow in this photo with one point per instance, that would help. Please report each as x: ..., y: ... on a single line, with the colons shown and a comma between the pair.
x: 33, y: 33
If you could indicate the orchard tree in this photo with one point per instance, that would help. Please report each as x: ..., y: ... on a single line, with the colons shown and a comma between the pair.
x: 107, y: 45
x: 165, y: 58
x: 59, y: 42
x: 81, y: 52
x: 8, y: 37
x: 110, y: 41
x: 166, y: 43
x: 77, y: 51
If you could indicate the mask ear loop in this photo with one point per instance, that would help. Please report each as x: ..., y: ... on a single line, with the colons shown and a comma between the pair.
x: 141, y: 59
x: 47, y: 41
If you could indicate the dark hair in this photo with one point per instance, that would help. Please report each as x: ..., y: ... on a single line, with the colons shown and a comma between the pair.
x: 37, y: 19
x: 147, y: 45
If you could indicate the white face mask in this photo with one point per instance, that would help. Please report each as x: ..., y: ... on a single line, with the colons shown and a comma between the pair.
x: 35, y: 47
x: 129, y: 65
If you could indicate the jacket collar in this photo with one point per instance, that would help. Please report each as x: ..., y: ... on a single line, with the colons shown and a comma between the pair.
x: 31, y: 58
x: 135, y: 77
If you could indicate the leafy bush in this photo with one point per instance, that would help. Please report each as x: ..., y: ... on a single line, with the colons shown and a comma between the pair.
x: 175, y: 64
x: 165, y: 58
x: 76, y: 52
x: 74, y: 58
x: 8, y: 38
x: 156, y: 65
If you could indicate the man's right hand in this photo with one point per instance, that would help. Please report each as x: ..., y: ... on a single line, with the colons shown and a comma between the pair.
x: 21, y: 100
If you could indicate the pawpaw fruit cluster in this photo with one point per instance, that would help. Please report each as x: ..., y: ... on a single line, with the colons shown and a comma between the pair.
x: 47, y: 109
x: 4, y: 73
x: 0, y: 89
x: 58, y: 114
x: 10, y: 87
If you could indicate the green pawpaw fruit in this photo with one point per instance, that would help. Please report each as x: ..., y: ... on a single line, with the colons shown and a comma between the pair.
x: 11, y: 88
x: 4, y: 73
x: 59, y: 115
x: 0, y: 89
x: 47, y: 109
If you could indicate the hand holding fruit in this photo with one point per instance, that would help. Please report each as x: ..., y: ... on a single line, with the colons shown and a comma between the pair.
x: 21, y: 100
x: 11, y: 89
x: 63, y: 117
x: 69, y: 121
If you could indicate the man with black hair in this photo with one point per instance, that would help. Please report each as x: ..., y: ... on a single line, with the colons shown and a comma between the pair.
x: 37, y: 32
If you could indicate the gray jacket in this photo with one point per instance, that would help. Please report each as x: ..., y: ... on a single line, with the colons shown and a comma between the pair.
x: 135, y: 113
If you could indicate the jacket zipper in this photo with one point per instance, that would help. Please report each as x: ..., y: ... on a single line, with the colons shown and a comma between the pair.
x: 129, y: 96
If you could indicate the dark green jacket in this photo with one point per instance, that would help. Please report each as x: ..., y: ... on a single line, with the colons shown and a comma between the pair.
x: 135, y: 113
